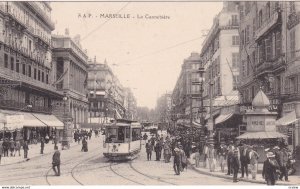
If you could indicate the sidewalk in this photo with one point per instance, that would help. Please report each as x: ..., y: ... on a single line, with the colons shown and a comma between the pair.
x: 33, y: 152
x: 294, y: 179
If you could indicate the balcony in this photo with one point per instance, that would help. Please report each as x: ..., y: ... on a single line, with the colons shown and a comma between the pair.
x: 293, y: 20
x: 268, y: 24
x: 12, y: 75
x: 20, y: 106
x: 230, y: 26
x: 263, y: 68
x: 42, y: 15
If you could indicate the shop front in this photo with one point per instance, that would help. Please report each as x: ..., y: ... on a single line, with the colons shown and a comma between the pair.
x: 260, y: 126
x: 288, y: 124
x: 29, y: 126
x: 227, y: 124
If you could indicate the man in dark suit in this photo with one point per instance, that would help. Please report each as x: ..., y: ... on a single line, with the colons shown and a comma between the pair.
x: 269, y: 169
x: 235, y: 163
x: 244, y: 160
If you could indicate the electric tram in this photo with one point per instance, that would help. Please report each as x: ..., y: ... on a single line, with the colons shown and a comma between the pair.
x: 122, y: 140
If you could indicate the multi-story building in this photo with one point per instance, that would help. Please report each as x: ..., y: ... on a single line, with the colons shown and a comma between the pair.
x: 105, y: 93
x: 26, y: 69
x: 70, y: 63
x: 220, y: 59
x: 269, y: 59
x: 187, y: 88
x: 163, y: 110
x: 130, y: 105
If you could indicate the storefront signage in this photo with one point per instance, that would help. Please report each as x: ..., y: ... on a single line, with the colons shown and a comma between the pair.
x: 261, y: 123
x: 14, y: 121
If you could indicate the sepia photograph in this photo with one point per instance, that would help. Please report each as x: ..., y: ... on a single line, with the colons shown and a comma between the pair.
x: 152, y: 93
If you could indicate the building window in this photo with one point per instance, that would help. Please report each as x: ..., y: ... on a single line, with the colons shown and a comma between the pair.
x: 235, y: 60
x: 24, y: 69
x: 248, y: 65
x: 17, y: 66
x: 253, y: 58
x: 235, y: 82
x: 235, y: 40
x: 292, y: 44
x: 293, y: 85
x: 253, y: 28
x: 278, y: 44
x: 247, y: 7
x: 5, y: 60
x: 43, y: 77
x: 235, y: 21
x: 292, y: 7
x: 243, y: 38
x: 47, y: 79
x: 243, y: 68
x: 247, y: 34
x: 268, y: 10
x: 39, y: 75
x: 242, y: 12
x: 29, y: 71
x: 260, y: 18
x: 12, y: 63
x: 34, y: 73
x: 268, y: 43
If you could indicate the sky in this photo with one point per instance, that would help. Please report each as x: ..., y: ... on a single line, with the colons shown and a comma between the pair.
x: 145, y: 54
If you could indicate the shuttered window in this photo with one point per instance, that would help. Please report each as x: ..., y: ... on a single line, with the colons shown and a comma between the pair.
x: 268, y: 48
x: 278, y: 44
x: 292, y: 43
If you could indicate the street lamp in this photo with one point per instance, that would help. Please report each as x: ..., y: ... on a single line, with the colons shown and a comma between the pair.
x: 65, y: 142
x: 201, y: 110
x: 210, y: 124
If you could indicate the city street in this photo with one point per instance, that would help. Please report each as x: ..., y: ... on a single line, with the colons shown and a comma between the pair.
x: 91, y: 168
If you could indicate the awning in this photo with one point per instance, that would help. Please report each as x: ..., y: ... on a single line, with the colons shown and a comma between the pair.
x: 287, y: 119
x: 261, y: 135
x: 223, y: 117
x: 31, y: 121
x: 49, y: 120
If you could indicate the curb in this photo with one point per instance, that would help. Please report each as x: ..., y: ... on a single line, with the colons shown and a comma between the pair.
x: 28, y: 159
x: 230, y: 177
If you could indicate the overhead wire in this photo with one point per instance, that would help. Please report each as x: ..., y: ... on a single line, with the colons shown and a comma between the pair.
x: 105, y: 22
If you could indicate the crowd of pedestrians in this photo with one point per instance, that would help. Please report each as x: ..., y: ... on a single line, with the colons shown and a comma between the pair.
x: 168, y: 146
x: 239, y: 158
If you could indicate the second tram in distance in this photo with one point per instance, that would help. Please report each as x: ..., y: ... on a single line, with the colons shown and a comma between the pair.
x: 122, y: 140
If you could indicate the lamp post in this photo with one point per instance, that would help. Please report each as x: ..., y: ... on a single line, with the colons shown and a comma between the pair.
x: 65, y: 142
x: 201, y: 110
x: 210, y: 123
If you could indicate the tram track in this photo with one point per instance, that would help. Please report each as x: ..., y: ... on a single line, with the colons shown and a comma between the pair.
x: 122, y: 176
x: 148, y: 176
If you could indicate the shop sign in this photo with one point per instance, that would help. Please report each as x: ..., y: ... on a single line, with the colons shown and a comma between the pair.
x: 14, y: 121
x: 260, y: 123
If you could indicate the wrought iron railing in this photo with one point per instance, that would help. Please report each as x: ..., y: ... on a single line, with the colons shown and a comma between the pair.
x: 12, y: 75
x: 14, y: 105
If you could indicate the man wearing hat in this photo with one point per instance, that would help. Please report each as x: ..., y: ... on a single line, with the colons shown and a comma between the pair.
x: 269, y: 169
x: 253, y: 156
x: 177, y: 161
x: 235, y: 163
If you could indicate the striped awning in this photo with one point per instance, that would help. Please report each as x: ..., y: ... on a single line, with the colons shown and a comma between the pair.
x: 49, y: 120
x: 287, y: 119
x: 223, y: 117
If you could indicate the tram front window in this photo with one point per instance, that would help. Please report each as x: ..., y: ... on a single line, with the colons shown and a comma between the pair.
x: 115, y: 135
